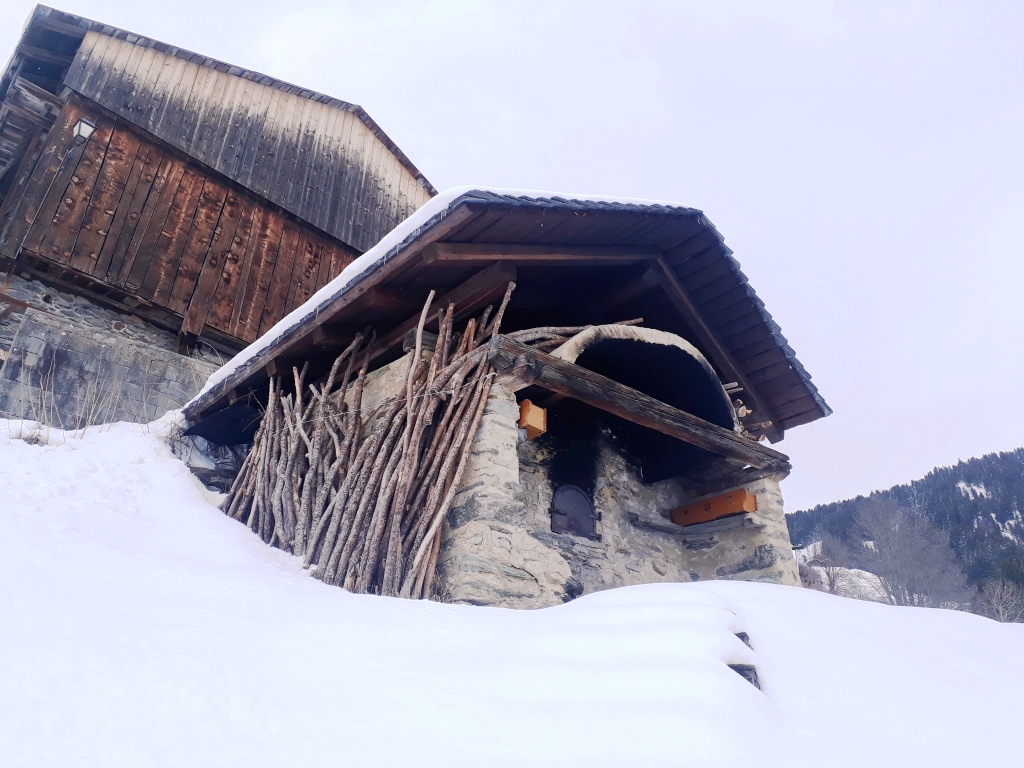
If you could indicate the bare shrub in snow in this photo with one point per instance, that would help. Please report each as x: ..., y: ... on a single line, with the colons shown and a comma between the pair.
x: 910, y: 555
x: 833, y: 560
x: 1003, y: 600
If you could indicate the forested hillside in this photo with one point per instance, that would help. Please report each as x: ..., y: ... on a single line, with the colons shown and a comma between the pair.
x: 978, y: 503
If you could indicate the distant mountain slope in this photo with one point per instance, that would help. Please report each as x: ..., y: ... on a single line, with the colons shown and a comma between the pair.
x: 978, y: 502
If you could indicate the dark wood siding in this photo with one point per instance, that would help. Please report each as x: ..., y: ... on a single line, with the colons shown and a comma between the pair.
x: 321, y: 159
x: 130, y: 212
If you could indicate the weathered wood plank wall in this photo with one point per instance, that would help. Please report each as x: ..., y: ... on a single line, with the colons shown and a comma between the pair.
x: 321, y: 159
x: 130, y: 212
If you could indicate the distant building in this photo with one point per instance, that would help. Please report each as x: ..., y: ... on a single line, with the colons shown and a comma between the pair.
x: 170, y: 203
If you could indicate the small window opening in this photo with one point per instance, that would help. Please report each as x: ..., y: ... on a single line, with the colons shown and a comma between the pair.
x: 573, y: 512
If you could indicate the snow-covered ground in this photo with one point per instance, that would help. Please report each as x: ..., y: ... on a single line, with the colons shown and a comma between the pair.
x: 141, y: 627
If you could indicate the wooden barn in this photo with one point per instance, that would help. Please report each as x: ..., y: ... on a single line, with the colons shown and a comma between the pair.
x: 166, y: 187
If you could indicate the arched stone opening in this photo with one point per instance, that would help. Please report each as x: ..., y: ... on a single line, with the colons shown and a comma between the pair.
x: 664, y: 366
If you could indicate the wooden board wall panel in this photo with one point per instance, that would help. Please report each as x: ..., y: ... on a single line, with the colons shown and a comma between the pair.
x: 268, y: 245
x: 174, y: 76
x: 16, y: 200
x: 49, y: 181
x: 216, y: 255
x: 328, y: 260
x: 260, y: 153
x: 123, y: 253
x: 209, y: 140
x: 282, y: 139
x: 225, y: 293
x: 347, y: 165
x: 281, y: 283
x: 189, y: 120
x: 154, y: 220
x: 330, y: 158
x: 75, y: 205
x: 211, y: 200
x: 121, y: 213
x: 84, y: 59
x: 355, y: 208
x: 371, y: 184
x: 245, y: 125
x: 127, y: 83
x: 373, y: 202
x: 259, y: 123
x: 307, y: 147
x: 124, y: 146
x: 248, y: 271
x: 163, y: 268
x: 172, y: 111
x: 306, y: 280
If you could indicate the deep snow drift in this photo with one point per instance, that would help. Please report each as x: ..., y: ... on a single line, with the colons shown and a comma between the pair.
x: 139, y: 626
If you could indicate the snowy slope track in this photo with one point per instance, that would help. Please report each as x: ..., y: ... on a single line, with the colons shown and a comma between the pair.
x: 140, y: 626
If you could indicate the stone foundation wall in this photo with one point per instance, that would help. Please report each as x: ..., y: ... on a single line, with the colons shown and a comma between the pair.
x: 85, y: 313
x: 71, y: 363
x: 499, y: 548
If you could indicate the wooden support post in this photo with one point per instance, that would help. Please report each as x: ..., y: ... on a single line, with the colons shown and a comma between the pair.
x: 526, y: 366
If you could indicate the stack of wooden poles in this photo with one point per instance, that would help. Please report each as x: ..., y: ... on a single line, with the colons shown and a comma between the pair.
x: 364, y: 510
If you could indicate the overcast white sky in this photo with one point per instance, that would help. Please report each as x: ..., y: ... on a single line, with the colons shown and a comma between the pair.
x: 864, y: 160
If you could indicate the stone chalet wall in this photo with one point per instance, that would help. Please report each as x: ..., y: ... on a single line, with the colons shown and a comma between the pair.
x: 70, y: 363
x: 499, y: 550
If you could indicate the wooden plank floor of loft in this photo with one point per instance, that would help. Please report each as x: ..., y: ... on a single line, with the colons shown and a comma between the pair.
x: 523, y: 366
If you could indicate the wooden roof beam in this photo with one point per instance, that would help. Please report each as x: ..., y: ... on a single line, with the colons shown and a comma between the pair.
x: 482, y: 254
x: 528, y: 366
x: 720, y: 356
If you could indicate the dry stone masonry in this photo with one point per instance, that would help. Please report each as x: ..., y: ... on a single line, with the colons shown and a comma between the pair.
x: 68, y: 361
x: 499, y: 550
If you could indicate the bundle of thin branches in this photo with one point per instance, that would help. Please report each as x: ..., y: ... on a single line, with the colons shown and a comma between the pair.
x: 365, y: 511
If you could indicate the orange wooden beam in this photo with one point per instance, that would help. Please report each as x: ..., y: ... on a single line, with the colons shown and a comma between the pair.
x: 732, y: 503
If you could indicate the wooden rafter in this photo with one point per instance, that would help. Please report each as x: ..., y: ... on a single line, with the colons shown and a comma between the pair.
x: 481, y: 254
x: 527, y: 366
x: 720, y: 356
